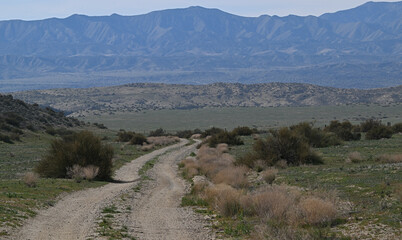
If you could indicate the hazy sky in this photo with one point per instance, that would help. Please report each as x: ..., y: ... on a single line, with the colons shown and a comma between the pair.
x: 39, y: 9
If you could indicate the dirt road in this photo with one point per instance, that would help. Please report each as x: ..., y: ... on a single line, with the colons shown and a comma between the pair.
x: 74, y: 216
x: 158, y: 215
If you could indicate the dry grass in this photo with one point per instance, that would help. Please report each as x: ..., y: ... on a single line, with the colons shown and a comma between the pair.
x: 354, y: 157
x: 233, y: 176
x: 390, y: 158
x: 163, y: 140
x: 224, y: 198
x: 190, y: 167
x: 269, y: 175
x: 90, y: 172
x: 76, y: 172
x: 317, y: 211
x: 30, y: 179
x: 147, y: 147
x: 222, y: 148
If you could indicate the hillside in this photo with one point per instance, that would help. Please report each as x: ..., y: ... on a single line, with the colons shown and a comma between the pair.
x: 16, y: 115
x: 145, y: 96
x: 357, y: 48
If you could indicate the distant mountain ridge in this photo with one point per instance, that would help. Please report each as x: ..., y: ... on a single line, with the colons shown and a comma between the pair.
x: 200, y: 39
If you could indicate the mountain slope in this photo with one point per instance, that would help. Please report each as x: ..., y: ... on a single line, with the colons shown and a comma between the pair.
x: 200, y: 39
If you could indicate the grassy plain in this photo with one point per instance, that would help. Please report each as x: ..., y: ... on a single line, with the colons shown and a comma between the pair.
x: 263, y: 118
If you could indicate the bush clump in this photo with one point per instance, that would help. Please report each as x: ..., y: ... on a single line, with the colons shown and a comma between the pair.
x: 315, y: 136
x: 243, y: 131
x: 344, y: 130
x: 82, y: 149
x: 379, y: 132
x: 282, y: 144
x: 158, y: 133
x: 397, y: 128
x: 370, y: 124
x: 229, y: 138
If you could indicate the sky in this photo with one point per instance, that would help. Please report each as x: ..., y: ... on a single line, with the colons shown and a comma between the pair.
x: 40, y: 9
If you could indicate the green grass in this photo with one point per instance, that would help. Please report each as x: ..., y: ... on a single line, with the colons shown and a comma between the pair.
x: 174, y: 120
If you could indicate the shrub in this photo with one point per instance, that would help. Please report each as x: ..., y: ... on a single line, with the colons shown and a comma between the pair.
x: 225, y: 199
x: 242, y: 131
x: 388, y: 158
x: 90, y: 172
x: 397, y: 128
x: 354, y: 157
x: 269, y: 175
x: 184, y: 134
x: 82, y: 149
x: 75, y: 172
x: 225, y: 137
x: 123, y: 136
x: 285, y: 144
x: 344, y: 130
x: 13, y: 119
x: 233, y: 176
x: 163, y: 140
x: 211, y: 131
x: 315, y: 136
x: 30, y: 179
x: 5, y: 138
x: 379, y: 132
x: 138, y: 139
x: 318, y: 211
x: 158, y: 133
x: 369, y: 124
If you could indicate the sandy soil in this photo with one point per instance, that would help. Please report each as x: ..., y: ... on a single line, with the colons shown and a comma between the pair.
x: 158, y: 215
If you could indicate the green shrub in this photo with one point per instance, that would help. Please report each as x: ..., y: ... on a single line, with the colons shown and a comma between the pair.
x: 81, y: 149
x: 13, y: 119
x: 369, y: 124
x: 315, y: 136
x: 397, y: 128
x: 138, y: 139
x: 184, y: 134
x: 282, y: 144
x: 379, y: 132
x: 123, y: 136
x: 242, y: 131
x: 212, y: 131
x: 344, y: 130
x: 158, y: 133
x: 5, y: 138
x: 225, y: 137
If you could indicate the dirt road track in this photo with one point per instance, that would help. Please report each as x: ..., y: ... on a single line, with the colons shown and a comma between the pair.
x: 158, y: 215
x: 74, y: 216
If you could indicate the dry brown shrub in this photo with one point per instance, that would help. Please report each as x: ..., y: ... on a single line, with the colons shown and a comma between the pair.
x: 222, y: 148
x: 282, y: 164
x: 274, y: 203
x: 255, y: 136
x: 354, y: 157
x: 269, y: 175
x: 76, y: 172
x: 90, y: 172
x: 147, y: 147
x: 390, y: 158
x: 317, y: 211
x: 163, y: 140
x: 30, y: 179
x: 224, y: 199
x: 233, y: 176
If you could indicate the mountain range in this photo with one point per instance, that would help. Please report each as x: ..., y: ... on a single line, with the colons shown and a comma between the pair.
x: 355, y: 48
